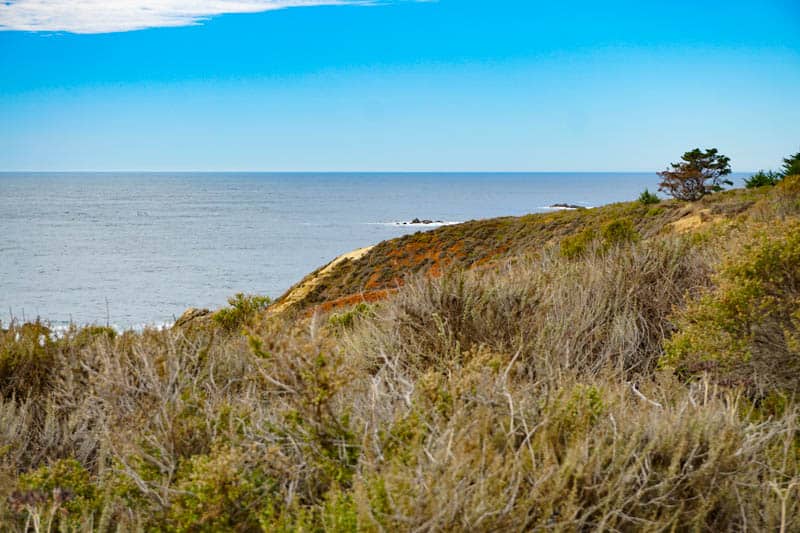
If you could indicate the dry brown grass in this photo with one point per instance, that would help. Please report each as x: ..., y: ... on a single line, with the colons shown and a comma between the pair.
x: 522, y: 397
x: 464, y: 427
x: 608, y: 310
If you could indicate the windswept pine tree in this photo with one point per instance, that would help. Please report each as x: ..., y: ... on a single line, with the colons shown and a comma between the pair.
x: 700, y: 172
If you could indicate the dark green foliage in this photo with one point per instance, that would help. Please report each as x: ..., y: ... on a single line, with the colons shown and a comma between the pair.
x: 243, y: 308
x: 697, y: 174
x: 791, y: 165
x: 762, y: 179
x: 648, y: 198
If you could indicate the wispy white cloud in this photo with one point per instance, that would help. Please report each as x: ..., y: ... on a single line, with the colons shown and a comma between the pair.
x: 107, y: 16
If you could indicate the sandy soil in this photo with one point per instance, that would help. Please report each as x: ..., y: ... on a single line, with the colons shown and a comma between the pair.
x: 302, y: 289
x: 693, y: 221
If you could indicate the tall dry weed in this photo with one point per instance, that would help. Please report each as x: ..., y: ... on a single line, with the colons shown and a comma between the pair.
x: 608, y: 310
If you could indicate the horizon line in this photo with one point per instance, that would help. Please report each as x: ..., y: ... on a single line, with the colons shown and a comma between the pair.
x: 341, y: 171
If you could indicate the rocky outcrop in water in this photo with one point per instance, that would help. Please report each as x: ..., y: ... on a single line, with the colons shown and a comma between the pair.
x: 567, y: 206
x: 423, y: 221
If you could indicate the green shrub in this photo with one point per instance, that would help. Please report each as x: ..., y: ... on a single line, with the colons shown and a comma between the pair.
x: 27, y: 356
x: 648, y: 198
x: 225, y: 490
x: 339, y: 513
x: 746, y: 331
x: 619, y: 231
x: 315, y: 378
x: 347, y: 318
x: 243, y: 308
x: 762, y: 179
x: 576, y: 245
x: 573, y: 414
x: 87, y: 335
x: 59, y: 494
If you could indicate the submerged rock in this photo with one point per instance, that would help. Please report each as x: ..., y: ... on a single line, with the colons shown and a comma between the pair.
x: 424, y: 221
x: 567, y: 206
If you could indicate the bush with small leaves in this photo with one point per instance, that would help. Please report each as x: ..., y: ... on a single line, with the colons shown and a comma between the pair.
x: 225, y: 490
x: 346, y: 319
x: 28, y: 355
x: 619, y: 231
x: 746, y: 331
x: 648, y: 198
x: 577, y: 245
x: 61, y: 494
x: 242, y: 310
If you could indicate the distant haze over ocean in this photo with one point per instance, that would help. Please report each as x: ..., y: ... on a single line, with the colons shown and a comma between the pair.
x: 153, y: 244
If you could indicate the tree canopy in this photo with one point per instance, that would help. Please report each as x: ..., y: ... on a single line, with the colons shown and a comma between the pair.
x: 763, y: 178
x: 697, y: 174
x: 791, y: 165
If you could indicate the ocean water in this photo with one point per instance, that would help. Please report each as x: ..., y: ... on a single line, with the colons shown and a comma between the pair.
x: 135, y: 249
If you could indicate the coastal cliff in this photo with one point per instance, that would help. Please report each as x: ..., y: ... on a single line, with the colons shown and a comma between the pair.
x: 628, y: 367
x: 376, y: 272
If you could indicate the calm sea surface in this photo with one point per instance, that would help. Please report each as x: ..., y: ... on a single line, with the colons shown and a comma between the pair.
x: 141, y: 248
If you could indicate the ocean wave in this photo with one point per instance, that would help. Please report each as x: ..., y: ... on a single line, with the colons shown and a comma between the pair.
x: 58, y: 330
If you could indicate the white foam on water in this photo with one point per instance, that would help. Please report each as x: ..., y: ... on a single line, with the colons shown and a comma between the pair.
x: 58, y: 331
x: 408, y: 224
x: 153, y: 244
x: 563, y: 208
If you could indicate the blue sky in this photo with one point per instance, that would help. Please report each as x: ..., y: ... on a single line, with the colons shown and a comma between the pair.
x: 461, y: 85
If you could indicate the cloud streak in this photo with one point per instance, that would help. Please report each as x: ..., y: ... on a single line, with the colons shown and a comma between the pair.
x: 108, y: 16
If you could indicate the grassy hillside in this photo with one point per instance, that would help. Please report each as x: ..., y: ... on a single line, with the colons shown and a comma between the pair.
x: 631, y: 367
x: 487, y: 243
